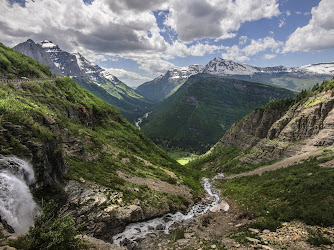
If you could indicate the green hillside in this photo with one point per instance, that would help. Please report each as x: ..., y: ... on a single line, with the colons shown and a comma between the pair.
x: 69, y: 134
x: 15, y: 65
x: 204, y: 108
x: 128, y: 101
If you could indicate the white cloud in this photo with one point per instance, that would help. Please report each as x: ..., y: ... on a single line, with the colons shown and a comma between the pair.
x: 180, y: 49
x: 243, y: 40
x: 97, y: 27
x: 130, y: 78
x: 255, y: 47
x: 220, y: 19
x: 269, y: 56
x: 281, y: 23
x: 318, y: 34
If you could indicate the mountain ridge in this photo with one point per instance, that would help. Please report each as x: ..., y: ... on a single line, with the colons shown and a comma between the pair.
x: 90, y: 76
x: 293, y: 78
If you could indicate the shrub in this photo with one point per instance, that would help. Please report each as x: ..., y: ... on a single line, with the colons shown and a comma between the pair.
x: 50, y: 232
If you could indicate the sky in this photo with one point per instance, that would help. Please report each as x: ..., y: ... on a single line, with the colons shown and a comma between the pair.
x: 138, y: 40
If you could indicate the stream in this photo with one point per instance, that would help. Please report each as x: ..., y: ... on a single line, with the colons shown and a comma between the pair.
x: 140, y: 119
x: 163, y: 224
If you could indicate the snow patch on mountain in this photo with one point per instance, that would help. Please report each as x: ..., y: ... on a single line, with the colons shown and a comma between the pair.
x: 185, y: 72
x: 319, y: 68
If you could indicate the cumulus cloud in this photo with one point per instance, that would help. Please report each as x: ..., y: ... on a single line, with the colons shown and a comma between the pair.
x: 96, y: 26
x: 255, y: 47
x: 220, y: 19
x: 318, y: 34
x: 130, y: 78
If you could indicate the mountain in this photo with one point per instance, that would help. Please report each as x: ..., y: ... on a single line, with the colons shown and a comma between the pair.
x: 165, y: 85
x: 295, y: 78
x: 97, y: 166
x: 90, y: 76
x: 203, y: 109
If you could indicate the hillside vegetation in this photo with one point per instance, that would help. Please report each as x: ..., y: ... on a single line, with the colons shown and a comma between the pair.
x: 14, y: 65
x: 77, y: 141
x: 203, y: 109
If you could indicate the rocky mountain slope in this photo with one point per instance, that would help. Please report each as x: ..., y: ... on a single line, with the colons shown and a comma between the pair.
x: 279, y: 129
x: 165, y: 85
x: 90, y: 76
x: 204, y: 108
x: 100, y: 168
x: 295, y: 78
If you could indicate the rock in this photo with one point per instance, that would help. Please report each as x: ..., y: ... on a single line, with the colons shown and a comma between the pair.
x: 213, y: 246
x: 252, y: 240
x: 254, y: 230
x: 239, y: 225
x: 160, y: 227
x: 182, y: 242
x: 266, y: 247
x: 188, y: 235
x: 265, y: 231
x: 222, y: 206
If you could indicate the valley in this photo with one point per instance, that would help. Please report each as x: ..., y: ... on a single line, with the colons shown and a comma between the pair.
x: 268, y: 152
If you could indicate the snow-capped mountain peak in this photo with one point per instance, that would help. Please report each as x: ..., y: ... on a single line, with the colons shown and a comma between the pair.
x: 223, y: 67
x: 46, y: 44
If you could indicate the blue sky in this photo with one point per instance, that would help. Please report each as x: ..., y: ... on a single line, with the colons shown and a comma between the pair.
x: 139, y: 40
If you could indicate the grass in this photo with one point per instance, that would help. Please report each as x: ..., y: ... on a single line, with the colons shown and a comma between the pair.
x: 182, y: 157
x: 301, y: 192
x: 14, y: 65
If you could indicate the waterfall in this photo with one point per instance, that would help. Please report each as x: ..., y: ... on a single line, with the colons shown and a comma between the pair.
x: 17, y: 206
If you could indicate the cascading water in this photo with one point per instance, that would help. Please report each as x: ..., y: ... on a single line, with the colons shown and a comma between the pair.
x: 17, y: 206
x: 163, y: 224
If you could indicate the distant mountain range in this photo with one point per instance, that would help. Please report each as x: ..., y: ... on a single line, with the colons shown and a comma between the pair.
x: 293, y: 78
x: 90, y: 76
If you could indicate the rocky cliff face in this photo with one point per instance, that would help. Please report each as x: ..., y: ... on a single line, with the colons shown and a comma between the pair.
x: 274, y: 133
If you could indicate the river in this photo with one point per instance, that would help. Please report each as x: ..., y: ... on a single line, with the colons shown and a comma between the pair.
x: 163, y: 224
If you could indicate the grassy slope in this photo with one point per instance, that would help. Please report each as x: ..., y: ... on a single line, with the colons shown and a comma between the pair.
x: 15, y: 65
x: 99, y: 137
x: 301, y: 192
x: 200, y: 112
x: 128, y: 102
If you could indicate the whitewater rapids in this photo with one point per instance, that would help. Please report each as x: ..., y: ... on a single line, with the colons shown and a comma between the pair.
x: 163, y: 224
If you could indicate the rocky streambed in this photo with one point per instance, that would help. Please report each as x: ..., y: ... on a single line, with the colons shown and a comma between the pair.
x: 140, y: 230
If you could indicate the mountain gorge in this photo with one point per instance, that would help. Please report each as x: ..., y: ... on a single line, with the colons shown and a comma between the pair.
x: 277, y: 159
x: 90, y: 76
x: 203, y: 109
